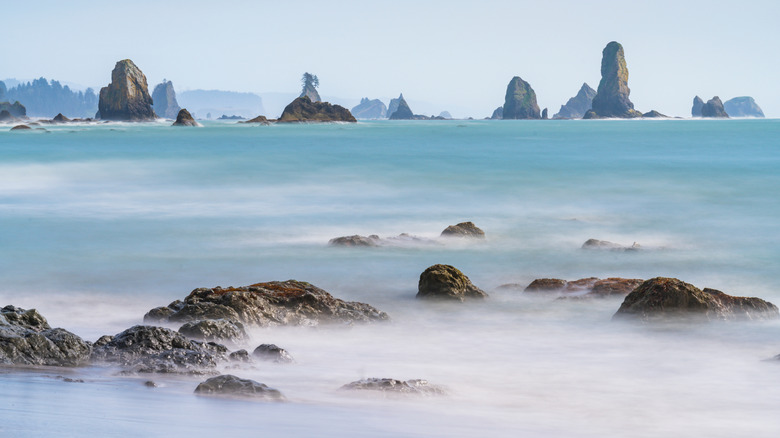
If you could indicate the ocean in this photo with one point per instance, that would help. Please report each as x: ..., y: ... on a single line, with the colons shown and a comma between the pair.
x: 100, y: 223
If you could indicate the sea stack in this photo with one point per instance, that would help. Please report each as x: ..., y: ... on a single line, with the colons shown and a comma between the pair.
x: 402, y: 112
x: 611, y: 99
x: 126, y: 98
x: 520, y: 101
x: 743, y: 106
x: 697, y: 105
x: 577, y: 106
x: 370, y: 109
x: 184, y: 118
x: 164, y: 98
x: 714, y: 109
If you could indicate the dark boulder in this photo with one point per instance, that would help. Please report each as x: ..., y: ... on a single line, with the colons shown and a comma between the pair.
x: 577, y: 106
x: 415, y: 386
x: 463, y: 229
x: 127, y: 97
x: 272, y: 353
x: 303, y: 109
x: 520, y: 101
x: 355, y: 240
x: 697, y: 106
x: 446, y: 282
x: 27, y: 339
x: 216, y: 330
x: 611, y: 99
x: 184, y: 118
x: 743, y: 106
x: 370, y: 109
x: 274, y: 303
x: 164, y: 97
x: 239, y: 356
x: 229, y: 385
x: 660, y: 298
x: 714, y: 109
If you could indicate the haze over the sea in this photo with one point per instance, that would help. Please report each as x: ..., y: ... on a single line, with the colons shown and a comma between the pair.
x: 454, y: 55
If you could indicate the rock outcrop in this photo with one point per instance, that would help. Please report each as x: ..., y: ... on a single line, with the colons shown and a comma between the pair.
x: 184, y: 118
x: 164, y: 98
x: 446, y: 282
x: 714, y: 109
x: 697, y: 106
x: 303, y: 109
x: 546, y: 285
x: 415, y: 386
x: 370, y: 109
x: 498, y: 113
x: 272, y: 353
x: 402, y: 110
x: 274, y: 303
x: 661, y: 298
x: 393, y: 105
x: 520, y: 101
x: 743, y: 106
x: 230, y: 385
x: 463, y: 229
x: 127, y: 97
x: 611, y: 98
x: 215, y: 330
x: 577, y: 106
x: 15, y: 109
x: 26, y: 338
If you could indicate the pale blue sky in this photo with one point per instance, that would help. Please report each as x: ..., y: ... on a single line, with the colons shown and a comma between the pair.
x: 457, y: 56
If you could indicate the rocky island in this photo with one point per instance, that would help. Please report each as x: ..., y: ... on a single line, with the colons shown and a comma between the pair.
x: 303, y: 109
x: 127, y: 97
x: 184, y: 118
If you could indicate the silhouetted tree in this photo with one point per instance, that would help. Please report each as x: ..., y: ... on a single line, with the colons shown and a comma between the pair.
x: 309, y: 80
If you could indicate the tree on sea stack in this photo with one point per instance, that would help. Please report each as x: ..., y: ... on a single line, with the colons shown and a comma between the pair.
x: 310, y: 84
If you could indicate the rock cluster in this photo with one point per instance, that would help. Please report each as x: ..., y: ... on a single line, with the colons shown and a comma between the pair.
x: 611, y: 98
x: 370, y: 109
x: 577, y: 106
x: 520, y: 101
x: 303, y: 109
x: 714, y: 109
x: 230, y: 385
x: 445, y: 282
x: 127, y: 97
x: 164, y: 97
x: 743, y: 106
x: 27, y: 339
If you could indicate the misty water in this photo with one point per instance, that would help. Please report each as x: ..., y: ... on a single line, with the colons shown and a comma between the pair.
x: 100, y: 223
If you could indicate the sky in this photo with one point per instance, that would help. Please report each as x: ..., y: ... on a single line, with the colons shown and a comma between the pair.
x: 444, y: 55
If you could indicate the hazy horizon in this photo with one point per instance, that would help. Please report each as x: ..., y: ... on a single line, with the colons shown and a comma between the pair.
x: 453, y: 56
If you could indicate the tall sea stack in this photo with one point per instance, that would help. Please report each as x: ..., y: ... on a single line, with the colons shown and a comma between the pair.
x: 611, y: 99
x: 126, y: 98
x: 520, y: 101
x: 164, y: 98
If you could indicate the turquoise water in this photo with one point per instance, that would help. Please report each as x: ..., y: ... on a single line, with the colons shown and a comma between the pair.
x: 100, y: 223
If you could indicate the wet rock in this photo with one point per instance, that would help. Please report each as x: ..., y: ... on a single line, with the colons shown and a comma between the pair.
x: 127, y: 97
x: 660, y: 298
x: 520, y: 101
x: 20, y: 128
x: 447, y: 283
x: 614, y: 286
x: 304, y: 109
x: 697, y: 106
x: 274, y: 303
x: 27, y: 339
x: 230, y: 385
x: 184, y: 118
x: 611, y: 99
x: 217, y: 330
x: 272, y: 353
x: 463, y: 229
x: 164, y: 98
x: 150, y: 384
x: 577, y: 106
x: 546, y: 285
x: 370, y: 109
x: 261, y: 120
x: 240, y: 356
x: 714, y: 109
x: 415, y: 386
x: 743, y: 106
x: 582, y: 284
x: 355, y: 240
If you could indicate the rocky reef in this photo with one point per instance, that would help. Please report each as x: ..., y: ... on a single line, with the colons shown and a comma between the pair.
x: 463, y: 229
x: 303, y: 109
x: 611, y: 98
x: 370, y: 109
x: 445, y: 282
x: 164, y: 97
x: 577, y: 106
x: 127, y: 97
x: 274, y: 303
x: 662, y: 298
x: 26, y: 338
x: 520, y: 101
x: 184, y: 118
x: 714, y: 109
x: 743, y: 106
x: 698, y: 103
x: 230, y: 385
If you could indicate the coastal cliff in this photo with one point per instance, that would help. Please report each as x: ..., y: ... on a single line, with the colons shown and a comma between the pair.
x: 127, y: 97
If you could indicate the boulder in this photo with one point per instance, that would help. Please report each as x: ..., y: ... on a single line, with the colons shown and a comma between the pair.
x: 743, y: 106
x: 274, y: 303
x: 59, y: 118
x: 654, y: 115
x: 27, y: 339
x: 148, y: 349
x: 240, y: 356
x: 164, y: 98
x: 127, y: 97
x: 498, y: 113
x: 402, y: 110
x: 463, y: 229
x: 303, y: 109
x: 415, y: 386
x: 546, y: 285
x: 262, y: 120
x: 216, y: 330
x: 611, y: 99
x: 590, y: 287
x: 230, y: 385
x: 370, y: 109
x: 661, y: 298
x: 446, y: 282
x: 20, y: 128
x: 355, y: 240
x: 714, y: 109
x: 520, y: 101
x: 184, y: 118
x: 577, y: 106
x: 697, y: 106
x: 272, y: 353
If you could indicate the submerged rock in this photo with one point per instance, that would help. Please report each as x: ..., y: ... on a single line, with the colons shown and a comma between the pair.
x: 274, y: 303
x: 216, y: 330
x: 611, y: 99
x: 463, y: 229
x: 661, y: 297
x: 127, y: 97
x: 697, y: 106
x: 27, y: 339
x: 164, y: 98
x: 743, y: 106
x: 520, y: 101
x: 590, y: 287
x: 272, y: 353
x: 714, y: 109
x: 304, y: 109
x: 577, y: 106
x: 184, y: 118
x: 614, y: 286
x: 355, y: 240
x: 447, y: 283
x: 415, y: 386
x: 370, y: 109
x: 228, y: 384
